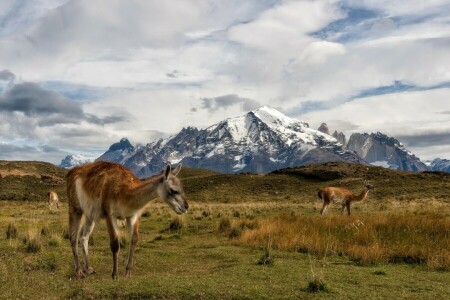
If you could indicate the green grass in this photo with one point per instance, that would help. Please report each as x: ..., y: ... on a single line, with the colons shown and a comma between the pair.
x: 199, y: 260
x: 196, y: 261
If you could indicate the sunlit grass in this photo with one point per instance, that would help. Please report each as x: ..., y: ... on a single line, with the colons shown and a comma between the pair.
x: 368, y: 239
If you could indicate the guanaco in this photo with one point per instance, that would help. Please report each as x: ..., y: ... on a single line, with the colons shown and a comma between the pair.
x: 342, y: 196
x: 104, y: 190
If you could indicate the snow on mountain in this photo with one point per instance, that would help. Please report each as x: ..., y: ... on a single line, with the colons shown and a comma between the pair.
x: 381, y: 150
x: 260, y: 141
x: 438, y: 164
x: 74, y: 160
x: 118, y: 152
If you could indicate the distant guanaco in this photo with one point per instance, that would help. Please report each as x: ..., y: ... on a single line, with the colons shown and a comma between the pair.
x: 342, y: 196
x: 111, y: 191
x: 52, y: 199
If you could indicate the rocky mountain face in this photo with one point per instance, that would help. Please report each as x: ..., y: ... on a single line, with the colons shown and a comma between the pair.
x: 324, y: 128
x: 340, y: 137
x: 118, y: 152
x: 74, y: 160
x: 381, y: 150
x: 260, y: 141
x: 440, y: 165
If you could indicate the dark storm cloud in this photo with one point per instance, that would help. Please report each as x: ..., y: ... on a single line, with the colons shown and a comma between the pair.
x: 425, y: 140
x: 27, y: 152
x: 9, y: 148
x: 48, y: 107
x: 225, y: 101
x: 7, y: 75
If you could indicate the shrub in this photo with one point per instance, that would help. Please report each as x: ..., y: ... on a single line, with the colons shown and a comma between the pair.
x: 45, y: 230
x: 317, y: 281
x: 316, y: 285
x: 224, y: 224
x: 235, y: 232
x: 176, y: 223
x: 266, y: 259
x: 11, y: 231
x: 54, y: 240
x: 32, y: 242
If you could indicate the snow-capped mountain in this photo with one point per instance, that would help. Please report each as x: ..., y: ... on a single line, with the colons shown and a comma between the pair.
x: 260, y: 141
x: 74, y: 160
x: 439, y: 164
x: 381, y: 150
x: 118, y: 151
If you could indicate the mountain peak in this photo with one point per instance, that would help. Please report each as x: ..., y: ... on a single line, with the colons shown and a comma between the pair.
x: 270, y: 116
x: 124, y: 144
x: 74, y: 160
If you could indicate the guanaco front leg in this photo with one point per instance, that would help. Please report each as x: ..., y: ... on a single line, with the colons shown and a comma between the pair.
x: 133, y: 228
x: 324, y: 209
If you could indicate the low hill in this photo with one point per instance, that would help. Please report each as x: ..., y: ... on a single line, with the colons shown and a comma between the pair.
x: 30, y: 181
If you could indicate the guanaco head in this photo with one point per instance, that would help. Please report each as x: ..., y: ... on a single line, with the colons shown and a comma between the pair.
x: 172, y: 190
x: 368, y: 186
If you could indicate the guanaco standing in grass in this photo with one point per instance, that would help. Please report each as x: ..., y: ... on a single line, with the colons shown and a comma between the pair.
x: 342, y: 196
x: 52, y: 199
x: 111, y: 191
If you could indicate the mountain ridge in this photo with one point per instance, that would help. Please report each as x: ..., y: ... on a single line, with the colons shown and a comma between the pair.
x: 261, y: 141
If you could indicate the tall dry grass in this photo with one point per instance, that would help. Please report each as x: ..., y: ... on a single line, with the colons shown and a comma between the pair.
x: 421, y: 239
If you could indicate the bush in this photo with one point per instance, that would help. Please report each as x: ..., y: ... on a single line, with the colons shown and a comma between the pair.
x: 224, y: 224
x: 54, y: 240
x: 316, y: 285
x: 11, y: 231
x: 176, y: 224
x: 45, y: 231
x: 266, y: 259
x: 32, y: 242
x: 235, y: 232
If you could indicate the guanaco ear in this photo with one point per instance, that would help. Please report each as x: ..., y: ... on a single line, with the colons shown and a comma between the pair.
x: 167, y: 171
x: 177, y: 170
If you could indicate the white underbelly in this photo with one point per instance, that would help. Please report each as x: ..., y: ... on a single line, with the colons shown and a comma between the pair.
x: 92, y: 208
x: 336, y: 199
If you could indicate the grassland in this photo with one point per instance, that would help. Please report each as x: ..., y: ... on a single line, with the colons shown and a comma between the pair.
x: 395, y: 246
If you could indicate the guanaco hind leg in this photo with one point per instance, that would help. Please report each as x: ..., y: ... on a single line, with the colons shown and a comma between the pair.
x: 74, y: 229
x: 86, y: 231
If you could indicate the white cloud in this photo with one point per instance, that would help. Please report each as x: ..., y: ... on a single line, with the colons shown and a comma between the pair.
x: 161, y: 58
x: 400, y: 114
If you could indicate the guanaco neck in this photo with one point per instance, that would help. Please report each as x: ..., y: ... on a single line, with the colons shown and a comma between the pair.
x: 362, y: 195
x: 145, y: 192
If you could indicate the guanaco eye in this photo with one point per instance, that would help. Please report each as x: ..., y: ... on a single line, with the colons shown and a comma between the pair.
x: 173, y: 192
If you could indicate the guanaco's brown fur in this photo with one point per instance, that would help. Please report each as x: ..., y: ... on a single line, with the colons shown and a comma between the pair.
x: 342, y: 196
x: 104, y: 190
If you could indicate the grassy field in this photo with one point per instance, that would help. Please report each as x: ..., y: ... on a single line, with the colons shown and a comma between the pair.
x: 245, y: 237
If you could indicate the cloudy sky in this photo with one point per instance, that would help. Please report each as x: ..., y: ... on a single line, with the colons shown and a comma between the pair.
x: 76, y: 76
